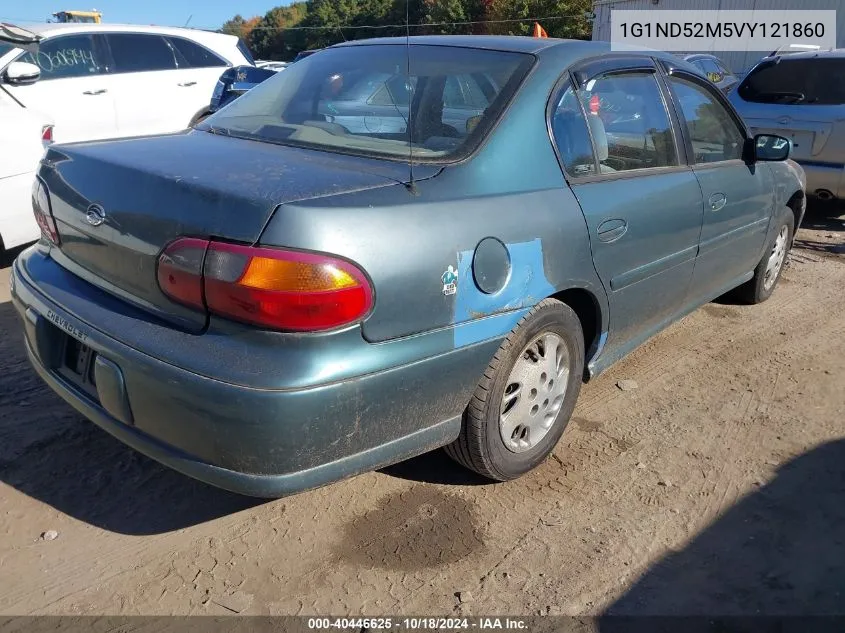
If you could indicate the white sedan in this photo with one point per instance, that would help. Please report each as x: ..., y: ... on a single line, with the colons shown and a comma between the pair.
x: 23, y: 135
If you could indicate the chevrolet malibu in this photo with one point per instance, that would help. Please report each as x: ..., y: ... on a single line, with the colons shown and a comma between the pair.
x: 272, y: 301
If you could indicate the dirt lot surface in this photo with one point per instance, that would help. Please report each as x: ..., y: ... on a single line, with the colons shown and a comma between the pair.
x: 716, y: 486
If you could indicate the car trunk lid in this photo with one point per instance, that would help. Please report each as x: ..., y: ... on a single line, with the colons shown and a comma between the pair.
x: 118, y: 204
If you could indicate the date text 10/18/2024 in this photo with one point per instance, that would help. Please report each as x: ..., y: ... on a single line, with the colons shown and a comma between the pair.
x: 416, y: 624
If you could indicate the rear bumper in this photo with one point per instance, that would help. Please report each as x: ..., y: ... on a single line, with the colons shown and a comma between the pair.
x: 259, y: 442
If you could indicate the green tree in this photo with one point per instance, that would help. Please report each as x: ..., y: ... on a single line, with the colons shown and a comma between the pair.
x: 568, y: 18
x: 233, y: 26
x: 271, y: 37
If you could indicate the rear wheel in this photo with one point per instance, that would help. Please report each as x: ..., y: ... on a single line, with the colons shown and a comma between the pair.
x: 525, y: 398
x: 199, y: 118
x: 768, y: 271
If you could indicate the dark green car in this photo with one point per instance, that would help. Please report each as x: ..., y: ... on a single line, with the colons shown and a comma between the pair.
x: 275, y: 300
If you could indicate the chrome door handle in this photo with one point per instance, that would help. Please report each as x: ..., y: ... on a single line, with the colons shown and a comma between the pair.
x: 185, y: 84
x: 95, y: 92
x: 717, y: 201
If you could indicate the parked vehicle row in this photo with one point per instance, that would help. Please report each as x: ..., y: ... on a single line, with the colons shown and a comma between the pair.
x: 278, y: 298
x: 108, y: 81
x: 93, y: 81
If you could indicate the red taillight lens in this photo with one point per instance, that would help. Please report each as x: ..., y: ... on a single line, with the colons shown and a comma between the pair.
x: 47, y: 134
x: 43, y: 213
x: 180, y: 271
x: 274, y: 288
x: 595, y: 104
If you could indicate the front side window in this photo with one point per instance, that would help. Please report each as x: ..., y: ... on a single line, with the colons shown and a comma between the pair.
x: 65, y: 57
x: 192, y: 55
x: 714, y: 134
x: 809, y: 81
x: 629, y: 122
x: 572, y: 137
x: 361, y: 100
x: 136, y: 52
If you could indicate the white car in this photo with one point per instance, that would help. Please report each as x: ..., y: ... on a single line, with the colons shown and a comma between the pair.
x: 24, y: 132
x: 106, y: 81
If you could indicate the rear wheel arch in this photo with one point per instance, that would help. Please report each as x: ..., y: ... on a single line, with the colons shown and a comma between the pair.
x: 796, y: 204
x: 199, y: 116
x: 588, y: 308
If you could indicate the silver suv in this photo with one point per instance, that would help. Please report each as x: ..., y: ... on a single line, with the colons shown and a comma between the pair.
x: 801, y: 96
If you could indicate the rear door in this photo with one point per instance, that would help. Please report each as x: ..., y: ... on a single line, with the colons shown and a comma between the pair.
x: 803, y: 99
x: 642, y: 205
x: 737, y: 195
x: 147, y: 97
x: 198, y: 70
x: 74, y: 89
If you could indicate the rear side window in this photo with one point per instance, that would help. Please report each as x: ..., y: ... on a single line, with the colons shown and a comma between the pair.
x: 192, y: 55
x: 813, y: 81
x: 136, y: 52
x: 66, y: 56
x: 629, y: 122
x: 714, y: 134
x: 572, y: 137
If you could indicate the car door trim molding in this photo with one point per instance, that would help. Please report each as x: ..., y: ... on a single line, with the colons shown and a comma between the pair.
x: 651, y: 269
x: 725, y: 239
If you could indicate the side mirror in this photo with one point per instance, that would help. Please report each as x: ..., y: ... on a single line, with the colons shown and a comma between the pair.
x: 22, y: 73
x: 769, y: 147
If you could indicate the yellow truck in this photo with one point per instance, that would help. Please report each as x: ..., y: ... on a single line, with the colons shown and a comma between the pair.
x: 85, y: 17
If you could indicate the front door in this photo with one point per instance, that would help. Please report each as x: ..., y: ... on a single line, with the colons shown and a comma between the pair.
x: 73, y: 90
x: 642, y: 206
x: 737, y: 195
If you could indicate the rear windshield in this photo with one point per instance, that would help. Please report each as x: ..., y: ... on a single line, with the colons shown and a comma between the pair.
x: 812, y: 81
x: 362, y: 100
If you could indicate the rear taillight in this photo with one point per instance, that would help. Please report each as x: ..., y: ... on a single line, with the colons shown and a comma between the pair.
x: 43, y: 213
x: 269, y: 287
x: 180, y: 271
x: 47, y: 134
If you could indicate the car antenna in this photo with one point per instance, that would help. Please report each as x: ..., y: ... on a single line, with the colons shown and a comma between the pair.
x: 411, y: 186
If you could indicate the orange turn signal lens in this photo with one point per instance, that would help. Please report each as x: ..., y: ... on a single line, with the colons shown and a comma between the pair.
x: 295, y: 276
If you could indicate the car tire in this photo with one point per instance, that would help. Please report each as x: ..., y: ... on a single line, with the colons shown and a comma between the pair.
x: 547, y: 345
x: 761, y: 286
x: 199, y: 118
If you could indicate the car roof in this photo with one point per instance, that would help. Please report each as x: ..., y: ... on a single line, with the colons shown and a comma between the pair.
x: 52, y: 29
x: 836, y: 52
x: 511, y: 43
x: 695, y: 56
